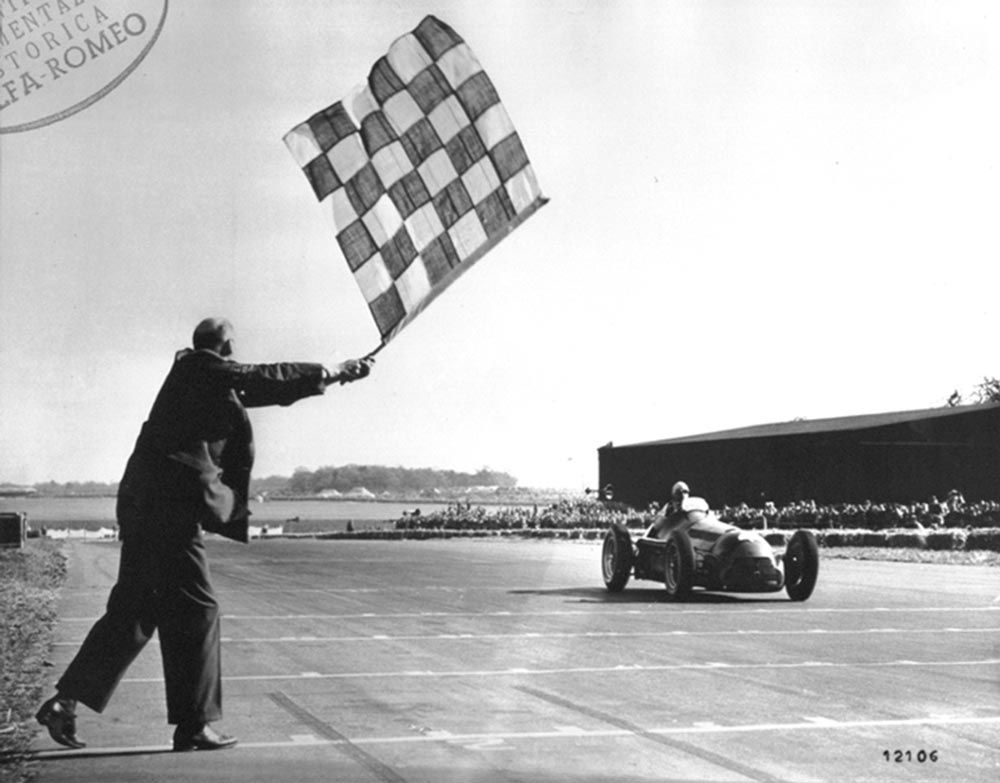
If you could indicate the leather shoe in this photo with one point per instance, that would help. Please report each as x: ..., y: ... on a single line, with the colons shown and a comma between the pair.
x: 58, y: 717
x: 201, y: 738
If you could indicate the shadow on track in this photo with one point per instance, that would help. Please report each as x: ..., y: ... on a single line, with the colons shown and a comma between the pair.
x: 598, y: 595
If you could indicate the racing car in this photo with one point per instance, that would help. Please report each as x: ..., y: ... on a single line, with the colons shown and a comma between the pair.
x: 694, y: 548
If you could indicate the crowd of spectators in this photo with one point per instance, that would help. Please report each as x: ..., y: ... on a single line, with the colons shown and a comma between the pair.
x: 565, y: 514
x: 952, y: 512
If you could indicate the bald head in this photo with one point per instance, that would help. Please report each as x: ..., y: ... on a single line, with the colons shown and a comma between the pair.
x: 213, y: 334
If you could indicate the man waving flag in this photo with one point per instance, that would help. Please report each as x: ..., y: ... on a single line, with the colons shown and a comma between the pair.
x: 424, y: 171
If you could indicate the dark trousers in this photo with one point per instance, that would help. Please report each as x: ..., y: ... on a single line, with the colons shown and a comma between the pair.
x: 163, y: 585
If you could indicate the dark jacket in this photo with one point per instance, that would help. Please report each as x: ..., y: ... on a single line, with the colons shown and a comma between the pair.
x: 195, y: 452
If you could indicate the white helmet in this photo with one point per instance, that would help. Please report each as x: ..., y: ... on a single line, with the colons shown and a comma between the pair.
x: 680, y: 488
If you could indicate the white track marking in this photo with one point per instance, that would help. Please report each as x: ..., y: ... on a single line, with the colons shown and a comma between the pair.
x: 306, y: 739
x: 660, y: 610
x: 494, y: 740
x: 451, y: 637
x: 696, y: 729
x: 819, y: 720
x: 636, y: 668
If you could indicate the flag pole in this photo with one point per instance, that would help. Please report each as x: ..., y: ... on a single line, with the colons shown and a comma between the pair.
x: 371, y: 354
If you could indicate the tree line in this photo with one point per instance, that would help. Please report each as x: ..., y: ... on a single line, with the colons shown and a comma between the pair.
x: 380, y: 478
x: 374, y: 478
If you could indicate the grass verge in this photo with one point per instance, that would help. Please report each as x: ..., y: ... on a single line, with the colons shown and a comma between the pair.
x: 976, y: 557
x: 29, y: 579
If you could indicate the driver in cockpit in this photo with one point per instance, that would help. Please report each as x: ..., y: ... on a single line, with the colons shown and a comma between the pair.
x: 673, y: 512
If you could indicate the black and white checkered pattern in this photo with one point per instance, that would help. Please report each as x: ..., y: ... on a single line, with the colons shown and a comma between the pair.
x: 424, y: 170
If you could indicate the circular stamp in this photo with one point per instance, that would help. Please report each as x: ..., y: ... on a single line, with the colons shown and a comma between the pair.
x: 57, y: 57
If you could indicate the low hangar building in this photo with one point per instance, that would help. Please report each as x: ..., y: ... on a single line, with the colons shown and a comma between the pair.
x: 903, y: 456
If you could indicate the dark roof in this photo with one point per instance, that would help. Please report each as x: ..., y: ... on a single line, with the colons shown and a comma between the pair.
x: 838, y: 424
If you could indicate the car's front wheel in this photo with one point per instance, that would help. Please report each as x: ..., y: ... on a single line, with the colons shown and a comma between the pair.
x: 616, y: 559
x: 678, y: 571
x: 801, y: 565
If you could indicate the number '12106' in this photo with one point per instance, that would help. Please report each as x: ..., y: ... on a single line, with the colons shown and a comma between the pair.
x: 899, y: 756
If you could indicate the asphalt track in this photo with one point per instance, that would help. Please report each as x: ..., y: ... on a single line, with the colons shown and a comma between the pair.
x: 506, y: 660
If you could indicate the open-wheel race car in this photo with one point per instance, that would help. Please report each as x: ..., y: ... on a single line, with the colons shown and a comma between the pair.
x: 694, y: 548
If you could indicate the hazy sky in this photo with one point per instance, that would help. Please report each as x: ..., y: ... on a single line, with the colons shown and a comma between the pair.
x: 759, y: 211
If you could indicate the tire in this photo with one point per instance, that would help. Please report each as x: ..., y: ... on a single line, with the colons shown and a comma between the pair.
x: 678, y: 566
x: 801, y: 565
x: 616, y: 559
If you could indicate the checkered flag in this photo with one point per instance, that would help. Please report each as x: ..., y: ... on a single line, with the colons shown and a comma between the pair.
x: 423, y: 168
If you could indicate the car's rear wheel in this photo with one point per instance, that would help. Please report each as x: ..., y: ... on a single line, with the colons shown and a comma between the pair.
x: 616, y: 559
x: 678, y: 570
x: 801, y: 565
